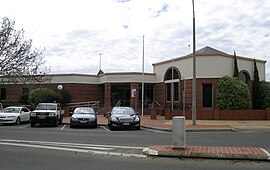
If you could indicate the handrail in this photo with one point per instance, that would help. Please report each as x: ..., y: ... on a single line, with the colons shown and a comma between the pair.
x: 93, y: 104
x: 118, y: 104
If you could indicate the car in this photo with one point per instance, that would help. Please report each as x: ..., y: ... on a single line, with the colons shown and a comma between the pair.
x: 14, y: 115
x: 83, y: 116
x: 47, y: 113
x: 123, y: 117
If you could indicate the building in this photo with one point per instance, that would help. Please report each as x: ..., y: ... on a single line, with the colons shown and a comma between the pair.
x: 170, y: 84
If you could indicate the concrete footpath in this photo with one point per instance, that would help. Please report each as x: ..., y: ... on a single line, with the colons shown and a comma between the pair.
x: 245, y: 153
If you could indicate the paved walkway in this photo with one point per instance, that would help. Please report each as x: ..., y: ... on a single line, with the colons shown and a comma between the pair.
x: 247, y: 153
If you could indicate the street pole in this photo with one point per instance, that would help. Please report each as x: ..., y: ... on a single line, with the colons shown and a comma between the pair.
x: 194, y: 71
x: 143, y: 77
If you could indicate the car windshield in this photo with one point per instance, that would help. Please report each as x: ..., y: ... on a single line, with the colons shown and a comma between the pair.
x: 46, y: 107
x: 125, y: 111
x: 84, y: 111
x: 11, y: 110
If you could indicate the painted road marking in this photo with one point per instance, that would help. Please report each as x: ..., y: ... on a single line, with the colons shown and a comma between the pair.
x: 73, y: 147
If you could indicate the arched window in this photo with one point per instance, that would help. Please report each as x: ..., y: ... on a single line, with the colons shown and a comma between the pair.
x: 244, y: 77
x: 171, y: 78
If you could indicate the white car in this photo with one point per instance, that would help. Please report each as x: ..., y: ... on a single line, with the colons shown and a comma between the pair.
x: 15, y: 114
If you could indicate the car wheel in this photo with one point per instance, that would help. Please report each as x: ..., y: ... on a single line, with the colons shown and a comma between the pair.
x: 33, y: 124
x: 55, y: 123
x: 61, y: 120
x: 71, y: 126
x: 18, y: 121
x: 138, y: 128
x: 111, y: 127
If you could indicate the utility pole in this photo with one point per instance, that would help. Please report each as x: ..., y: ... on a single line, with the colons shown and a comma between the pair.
x: 100, y: 60
x: 194, y: 71
x: 143, y: 76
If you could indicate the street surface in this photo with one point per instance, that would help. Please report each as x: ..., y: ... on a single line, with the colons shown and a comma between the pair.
x: 23, y: 147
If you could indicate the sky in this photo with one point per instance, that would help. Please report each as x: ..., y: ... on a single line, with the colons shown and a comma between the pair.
x: 75, y: 32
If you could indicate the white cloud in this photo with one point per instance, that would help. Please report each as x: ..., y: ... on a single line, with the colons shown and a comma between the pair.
x: 75, y: 31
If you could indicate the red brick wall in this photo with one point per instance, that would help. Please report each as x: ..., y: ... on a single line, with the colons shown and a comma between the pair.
x: 216, y: 114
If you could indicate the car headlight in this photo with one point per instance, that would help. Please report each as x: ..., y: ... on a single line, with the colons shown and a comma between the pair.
x: 51, y: 114
x: 33, y: 114
x: 113, y: 119
x: 137, y: 119
x: 74, y: 119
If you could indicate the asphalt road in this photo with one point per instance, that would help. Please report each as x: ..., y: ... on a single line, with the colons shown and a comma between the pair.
x: 23, y: 147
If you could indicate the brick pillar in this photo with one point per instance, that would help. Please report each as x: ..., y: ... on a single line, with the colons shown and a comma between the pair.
x: 134, y: 101
x: 107, y: 96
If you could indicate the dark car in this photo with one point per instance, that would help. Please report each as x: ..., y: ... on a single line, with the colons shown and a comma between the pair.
x: 123, y: 117
x: 83, y: 116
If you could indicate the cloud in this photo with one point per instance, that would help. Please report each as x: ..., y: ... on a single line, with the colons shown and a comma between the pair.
x: 76, y: 32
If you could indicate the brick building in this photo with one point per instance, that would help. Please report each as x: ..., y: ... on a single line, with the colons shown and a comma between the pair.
x: 164, y: 87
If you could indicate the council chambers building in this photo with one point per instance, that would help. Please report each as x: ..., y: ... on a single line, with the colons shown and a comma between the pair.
x: 169, y: 84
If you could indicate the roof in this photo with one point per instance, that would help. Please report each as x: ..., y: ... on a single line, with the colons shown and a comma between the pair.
x: 210, y: 50
x: 206, y: 51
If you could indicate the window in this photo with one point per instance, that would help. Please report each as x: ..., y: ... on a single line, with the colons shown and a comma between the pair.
x: 207, y: 95
x: 148, y: 94
x: 25, y: 91
x: 3, y: 94
x: 244, y: 77
x: 171, y: 79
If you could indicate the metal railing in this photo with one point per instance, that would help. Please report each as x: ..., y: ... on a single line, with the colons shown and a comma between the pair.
x: 93, y: 104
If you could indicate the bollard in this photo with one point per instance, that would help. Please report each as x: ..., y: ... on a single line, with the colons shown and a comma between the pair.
x: 179, y: 133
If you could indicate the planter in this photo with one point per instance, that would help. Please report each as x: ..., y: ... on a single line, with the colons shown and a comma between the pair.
x: 153, y: 113
x: 168, y: 114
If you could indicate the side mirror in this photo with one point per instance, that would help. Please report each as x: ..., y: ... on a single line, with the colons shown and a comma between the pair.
x: 109, y: 114
x: 70, y: 113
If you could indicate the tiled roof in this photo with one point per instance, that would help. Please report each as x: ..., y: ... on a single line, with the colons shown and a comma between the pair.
x: 210, y: 50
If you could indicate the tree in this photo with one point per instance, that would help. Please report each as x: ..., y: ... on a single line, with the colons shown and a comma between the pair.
x: 265, y: 94
x: 40, y: 95
x: 236, y: 71
x: 19, y: 61
x: 232, y: 94
x: 256, y: 95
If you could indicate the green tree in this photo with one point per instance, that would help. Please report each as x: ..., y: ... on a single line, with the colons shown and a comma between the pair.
x: 65, y: 96
x: 256, y: 94
x: 265, y: 94
x: 232, y: 94
x: 40, y: 95
x: 236, y: 70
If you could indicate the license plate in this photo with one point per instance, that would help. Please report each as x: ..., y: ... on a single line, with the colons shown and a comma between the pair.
x: 125, y: 124
x: 83, y: 121
x: 41, y: 117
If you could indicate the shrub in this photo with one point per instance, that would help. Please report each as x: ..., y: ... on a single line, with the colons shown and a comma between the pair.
x: 265, y: 94
x: 40, y: 95
x: 232, y: 94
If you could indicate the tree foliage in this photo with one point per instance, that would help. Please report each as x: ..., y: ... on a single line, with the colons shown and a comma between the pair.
x: 19, y: 60
x: 232, y: 94
x: 40, y: 95
x: 265, y: 94
x: 65, y: 96
x: 256, y: 94
x: 236, y: 70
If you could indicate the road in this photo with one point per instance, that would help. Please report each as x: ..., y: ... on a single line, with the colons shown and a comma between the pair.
x: 64, y: 148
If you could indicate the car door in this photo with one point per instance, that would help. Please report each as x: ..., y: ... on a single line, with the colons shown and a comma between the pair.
x: 25, y: 114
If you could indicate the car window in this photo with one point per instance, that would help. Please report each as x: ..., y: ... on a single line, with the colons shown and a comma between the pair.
x: 127, y: 111
x: 84, y: 111
x: 11, y: 110
x: 46, y: 107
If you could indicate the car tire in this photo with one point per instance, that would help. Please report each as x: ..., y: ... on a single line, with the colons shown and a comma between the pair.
x: 18, y: 121
x: 33, y: 124
x: 55, y: 123
x: 71, y: 126
x: 61, y: 120
x: 111, y: 127
x: 138, y: 128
